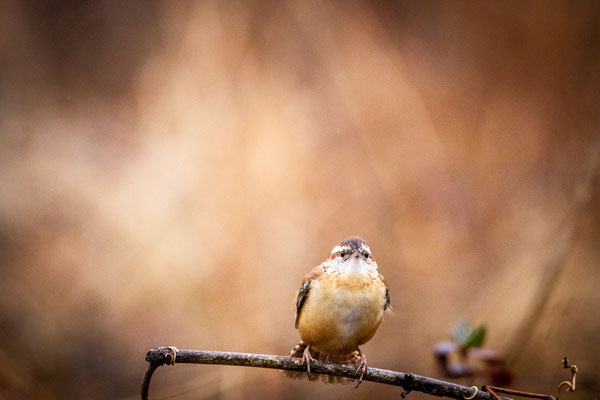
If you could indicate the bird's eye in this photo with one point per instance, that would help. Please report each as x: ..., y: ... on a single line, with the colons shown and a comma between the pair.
x: 366, y: 254
x: 342, y: 254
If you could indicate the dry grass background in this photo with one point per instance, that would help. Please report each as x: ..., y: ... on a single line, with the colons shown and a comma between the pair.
x: 169, y: 171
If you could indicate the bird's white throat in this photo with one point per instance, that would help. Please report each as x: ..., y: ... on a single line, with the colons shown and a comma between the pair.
x: 354, y: 266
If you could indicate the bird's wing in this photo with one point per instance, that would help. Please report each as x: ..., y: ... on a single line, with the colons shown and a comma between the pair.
x: 305, y: 288
x: 387, y: 294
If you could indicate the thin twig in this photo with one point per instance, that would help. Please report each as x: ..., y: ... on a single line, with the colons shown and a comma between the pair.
x: 410, y: 382
x: 493, y: 389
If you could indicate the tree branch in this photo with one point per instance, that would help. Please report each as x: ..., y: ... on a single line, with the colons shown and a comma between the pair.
x: 410, y: 382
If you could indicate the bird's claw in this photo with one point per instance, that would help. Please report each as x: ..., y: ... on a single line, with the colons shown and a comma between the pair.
x: 362, y: 369
x: 306, y: 359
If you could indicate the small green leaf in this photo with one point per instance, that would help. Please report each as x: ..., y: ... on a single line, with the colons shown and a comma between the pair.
x: 475, y: 338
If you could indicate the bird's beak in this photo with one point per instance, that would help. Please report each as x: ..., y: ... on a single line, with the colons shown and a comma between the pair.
x: 356, y: 254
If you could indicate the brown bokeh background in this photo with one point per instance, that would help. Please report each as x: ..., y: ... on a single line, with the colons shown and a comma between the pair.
x: 169, y: 171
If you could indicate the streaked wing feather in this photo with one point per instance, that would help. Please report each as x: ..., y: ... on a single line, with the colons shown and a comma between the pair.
x: 387, y: 299
x: 387, y: 294
x: 305, y: 288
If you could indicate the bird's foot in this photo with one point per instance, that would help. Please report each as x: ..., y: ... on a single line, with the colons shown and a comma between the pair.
x: 306, y: 359
x: 362, y: 368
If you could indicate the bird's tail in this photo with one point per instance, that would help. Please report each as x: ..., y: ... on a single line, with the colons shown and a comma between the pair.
x: 352, y: 358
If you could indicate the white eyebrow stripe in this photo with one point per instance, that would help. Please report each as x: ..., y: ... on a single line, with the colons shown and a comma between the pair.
x: 366, y: 248
x: 337, y: 249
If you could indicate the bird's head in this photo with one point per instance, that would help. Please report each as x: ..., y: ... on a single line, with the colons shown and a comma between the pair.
x: 352, y: 254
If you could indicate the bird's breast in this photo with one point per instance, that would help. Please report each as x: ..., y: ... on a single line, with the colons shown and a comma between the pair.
x: 342, y: 311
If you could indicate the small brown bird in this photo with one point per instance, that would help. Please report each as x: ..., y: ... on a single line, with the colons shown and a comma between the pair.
x: 340, y: 305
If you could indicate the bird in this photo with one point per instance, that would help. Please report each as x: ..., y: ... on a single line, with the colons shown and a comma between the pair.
x: 339, y: 307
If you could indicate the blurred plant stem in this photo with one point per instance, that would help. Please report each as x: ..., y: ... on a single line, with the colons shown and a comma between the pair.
x: 582, y: 203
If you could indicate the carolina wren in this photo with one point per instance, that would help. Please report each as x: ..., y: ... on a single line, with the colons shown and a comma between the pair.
x: 340, y: 306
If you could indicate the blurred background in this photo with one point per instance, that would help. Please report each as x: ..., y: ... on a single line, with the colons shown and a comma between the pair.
x: 170, y: 171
